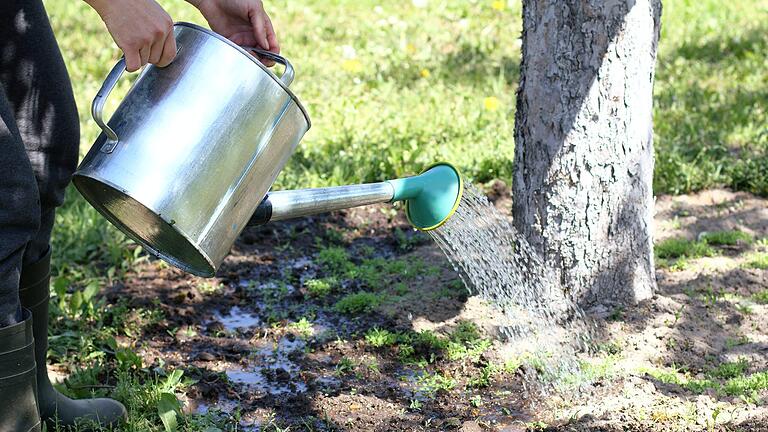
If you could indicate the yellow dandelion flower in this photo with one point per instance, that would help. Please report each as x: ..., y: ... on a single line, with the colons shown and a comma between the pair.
x: 425, y: 73
x: 491, y: 103
x: 410, y: 48
x: 352, y: 66
x: 499, y: 5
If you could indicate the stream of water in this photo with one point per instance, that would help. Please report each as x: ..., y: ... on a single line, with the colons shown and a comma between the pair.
x: 498, y: 264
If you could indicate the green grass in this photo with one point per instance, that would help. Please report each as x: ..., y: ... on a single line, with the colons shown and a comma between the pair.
x: 728, y: 370
x: 344, y: 366
x: 678, y: 247
x: 710, y: 79
x: 302, y: 326
x: 335, y: 260
x: 483, y: 379
x: 436, y: 382
x: 358, y: 303
x: 464, y: 342
x: 726, y: 238
x: 710, y: 86
x: 374, y: 274
x: 745, y: 385
x: 675, y: 253
x: 378, y: 338
x: 321, y: 287
x: 725, y: 379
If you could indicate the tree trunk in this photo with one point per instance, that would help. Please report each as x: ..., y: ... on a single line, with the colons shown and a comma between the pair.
x: 584, y: 144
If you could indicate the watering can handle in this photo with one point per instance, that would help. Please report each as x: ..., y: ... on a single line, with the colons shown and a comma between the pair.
x: 288, y: 73
x: 97, y: 107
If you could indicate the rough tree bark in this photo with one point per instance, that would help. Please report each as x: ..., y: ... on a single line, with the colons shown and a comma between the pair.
x: 584, y: 144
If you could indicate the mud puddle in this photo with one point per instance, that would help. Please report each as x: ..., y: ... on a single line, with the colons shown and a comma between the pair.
x: 238, y: 318
x: 273, y: 369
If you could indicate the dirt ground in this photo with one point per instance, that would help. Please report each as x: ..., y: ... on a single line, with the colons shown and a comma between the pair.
x: 238, y: 336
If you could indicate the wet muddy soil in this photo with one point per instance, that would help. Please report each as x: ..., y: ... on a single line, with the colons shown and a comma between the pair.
x: 266, y: 347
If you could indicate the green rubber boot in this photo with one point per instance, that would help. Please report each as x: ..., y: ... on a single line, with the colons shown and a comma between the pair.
x: 18, y: 412
x: 55, y: 408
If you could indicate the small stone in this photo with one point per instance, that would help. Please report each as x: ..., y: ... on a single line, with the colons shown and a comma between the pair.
x: 282, y: 375
x: 179, y: 297
x: 451, y: 423
x: 471, y: 426
x: 206, y: 356
x: 215, y: 327
x: 513, y: 428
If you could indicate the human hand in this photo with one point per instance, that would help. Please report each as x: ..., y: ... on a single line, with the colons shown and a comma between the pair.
x: 141, y: 28
x: 244, y: 22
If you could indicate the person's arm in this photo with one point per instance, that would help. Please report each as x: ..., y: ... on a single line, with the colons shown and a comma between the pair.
x: 244, y: 22
x: 141, y: 28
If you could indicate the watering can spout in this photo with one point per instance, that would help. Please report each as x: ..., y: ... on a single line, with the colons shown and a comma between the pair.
x: 430, y: 198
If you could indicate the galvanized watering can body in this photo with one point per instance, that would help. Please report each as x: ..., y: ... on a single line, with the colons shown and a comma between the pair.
x: 192, y: 149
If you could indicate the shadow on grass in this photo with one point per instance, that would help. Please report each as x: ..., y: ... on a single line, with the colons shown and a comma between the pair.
x: 468, y: 65
x: 472, y: 64
x: 752, y: 42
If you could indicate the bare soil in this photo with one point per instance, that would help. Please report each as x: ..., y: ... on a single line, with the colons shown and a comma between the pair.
x: 235, y: 334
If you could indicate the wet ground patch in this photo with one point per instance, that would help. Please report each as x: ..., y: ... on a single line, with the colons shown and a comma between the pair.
x: 355, y: 322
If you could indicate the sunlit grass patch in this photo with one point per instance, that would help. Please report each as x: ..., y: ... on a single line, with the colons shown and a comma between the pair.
x: 427, y: 346
x: 321, y: 287
x: 725, y: 379
x: 746, y: 385
x: 761, y: 296
x: 757, y: 260
x: 465, y: 341
x: 377, y: 337
x: 210, y: 288
x: 303, y: 326
x: 484, y: 377
x: 433, y: 383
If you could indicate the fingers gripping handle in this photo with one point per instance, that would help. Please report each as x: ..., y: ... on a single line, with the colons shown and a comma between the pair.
x: 288, y: 74
x: 97, y: 107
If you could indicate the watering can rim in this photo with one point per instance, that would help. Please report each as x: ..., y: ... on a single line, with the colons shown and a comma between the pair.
x: 453, y: 208
x: 209, y: 272
x: 255, y: 60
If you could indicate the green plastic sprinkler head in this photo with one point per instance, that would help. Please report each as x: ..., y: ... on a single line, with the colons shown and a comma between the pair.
x: 431, y: 197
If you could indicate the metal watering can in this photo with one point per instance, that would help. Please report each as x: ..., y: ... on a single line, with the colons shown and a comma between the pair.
x: 187, y: 159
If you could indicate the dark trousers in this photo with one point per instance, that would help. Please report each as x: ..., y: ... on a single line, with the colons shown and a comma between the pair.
x: 39, y: 140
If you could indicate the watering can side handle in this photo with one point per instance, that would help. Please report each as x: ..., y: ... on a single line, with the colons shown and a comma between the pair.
x: 288, y: 74
x: 97, y: 107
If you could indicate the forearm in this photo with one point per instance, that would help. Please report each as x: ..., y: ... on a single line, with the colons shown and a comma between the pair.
x: 98, y: 5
